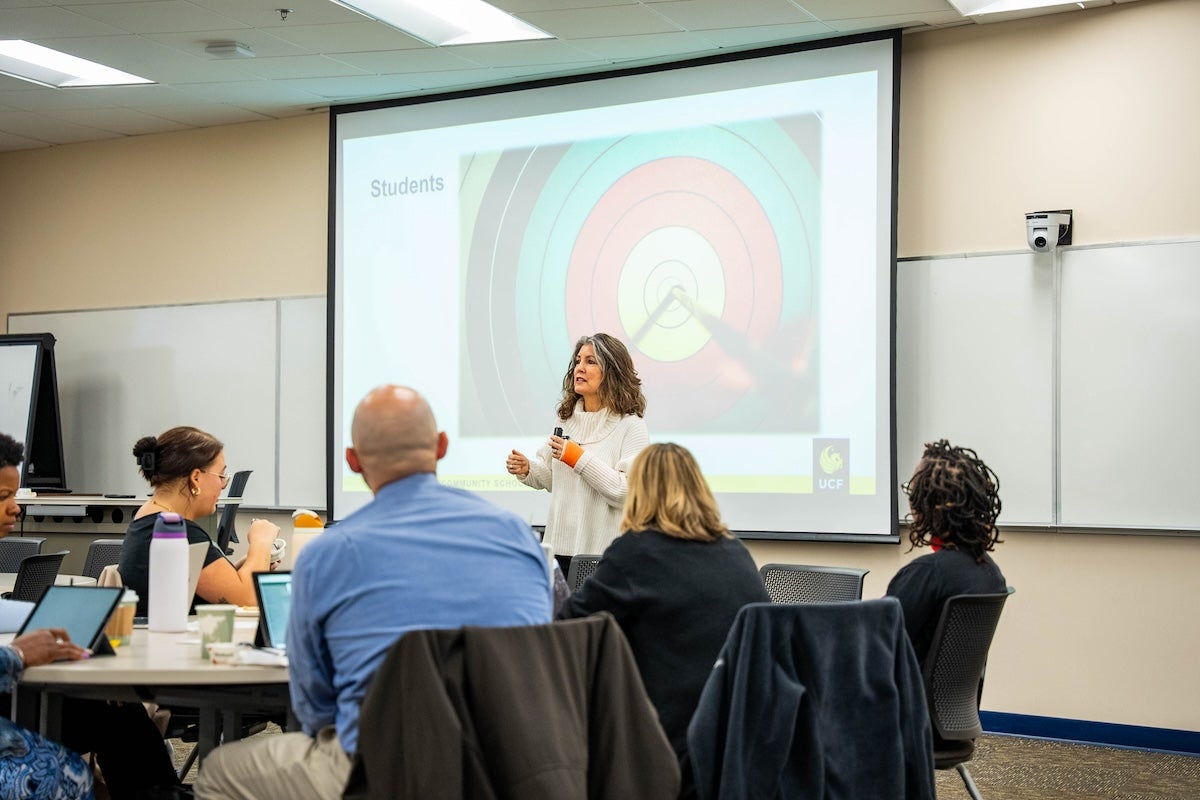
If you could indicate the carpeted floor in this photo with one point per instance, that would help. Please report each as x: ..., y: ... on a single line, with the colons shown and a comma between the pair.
x: 1012, y: 768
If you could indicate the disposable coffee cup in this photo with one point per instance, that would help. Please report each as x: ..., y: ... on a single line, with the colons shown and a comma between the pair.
x: 119, y: 628
x: 216, y: 625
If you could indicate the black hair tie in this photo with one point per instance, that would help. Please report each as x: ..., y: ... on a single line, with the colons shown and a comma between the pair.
x: 147, y: 462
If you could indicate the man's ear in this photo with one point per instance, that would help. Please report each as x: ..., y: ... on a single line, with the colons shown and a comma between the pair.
x: 352, y: 460
x: 442, y: 445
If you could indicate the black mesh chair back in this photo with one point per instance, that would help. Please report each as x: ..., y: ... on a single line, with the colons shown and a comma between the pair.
x: 953, y: 676
x: 101, y: 553
x: 36, y: 573
x: 226, y: 531
x: 15, y: 549
x: 582, y: 566
x: 800, y: 583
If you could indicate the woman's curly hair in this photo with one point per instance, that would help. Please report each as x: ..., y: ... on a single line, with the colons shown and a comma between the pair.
x: 954, y: 498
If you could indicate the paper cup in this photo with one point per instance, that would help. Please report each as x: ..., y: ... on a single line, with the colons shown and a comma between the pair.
x: 216, y: 625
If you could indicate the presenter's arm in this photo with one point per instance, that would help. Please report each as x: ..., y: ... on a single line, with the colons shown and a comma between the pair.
x: 537, y: 472
x: 221, y: 582
x: 607, y: 477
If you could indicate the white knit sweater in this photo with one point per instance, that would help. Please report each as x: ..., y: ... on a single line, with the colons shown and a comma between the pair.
x: 586, y: 502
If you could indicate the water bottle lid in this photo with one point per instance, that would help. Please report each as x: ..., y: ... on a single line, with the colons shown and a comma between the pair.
x: 130, y: 596
x: 169, y: 525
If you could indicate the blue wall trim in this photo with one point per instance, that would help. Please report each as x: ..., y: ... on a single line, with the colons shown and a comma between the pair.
x: 1106, y: 733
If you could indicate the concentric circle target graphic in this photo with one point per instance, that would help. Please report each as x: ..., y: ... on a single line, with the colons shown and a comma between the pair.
x: 698, y: 248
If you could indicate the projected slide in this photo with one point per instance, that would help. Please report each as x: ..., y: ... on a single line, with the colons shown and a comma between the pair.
x: 674, y: 241
x: 731, y: 223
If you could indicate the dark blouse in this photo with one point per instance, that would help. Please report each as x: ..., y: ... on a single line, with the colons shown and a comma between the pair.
x: 135, y: 556
x: 923, y: 585
x: 675, y: 601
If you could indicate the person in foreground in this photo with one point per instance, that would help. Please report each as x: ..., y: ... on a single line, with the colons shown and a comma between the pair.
x: 420, y: 555
x: 674, y: 580
x: 128, y: 747
x: 186, y: 468
x: 954, y: 500
x: 601, y: 412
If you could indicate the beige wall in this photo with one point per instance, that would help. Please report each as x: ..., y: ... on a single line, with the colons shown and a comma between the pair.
x: 1102, y: 627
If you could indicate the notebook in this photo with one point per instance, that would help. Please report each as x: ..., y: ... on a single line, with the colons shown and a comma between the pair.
x: 196, y: 554
x: 274, y: 592
x: 81, y: 611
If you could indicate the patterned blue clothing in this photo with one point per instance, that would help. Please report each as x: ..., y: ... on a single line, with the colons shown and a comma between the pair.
x: 31, y: 767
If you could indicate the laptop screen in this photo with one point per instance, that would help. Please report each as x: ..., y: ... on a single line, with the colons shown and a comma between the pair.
x: 274, y: 590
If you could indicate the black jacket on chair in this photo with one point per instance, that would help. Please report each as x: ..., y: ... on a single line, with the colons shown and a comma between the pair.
x: 820, y: 701
x: 546, y: 711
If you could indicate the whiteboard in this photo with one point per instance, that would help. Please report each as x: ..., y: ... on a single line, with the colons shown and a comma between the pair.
x: 1130, y: 386
x: 132, y: 372
x: 17, y: 365
x: 974, y: 364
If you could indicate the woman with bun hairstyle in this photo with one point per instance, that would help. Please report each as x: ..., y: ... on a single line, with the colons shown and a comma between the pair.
x: 186, y: 469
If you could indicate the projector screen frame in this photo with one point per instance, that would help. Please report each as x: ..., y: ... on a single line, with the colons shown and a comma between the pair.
x: 333, y: 417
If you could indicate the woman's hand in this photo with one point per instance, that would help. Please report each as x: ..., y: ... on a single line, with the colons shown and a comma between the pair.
x: 262, y: 532
x: 517, y: 464
x: 557, y: 443
x: 46, y: 645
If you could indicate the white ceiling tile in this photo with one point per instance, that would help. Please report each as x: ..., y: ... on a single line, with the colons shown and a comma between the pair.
x: 156, y: 16
x: 699, y: 15
x: 851, y: 9
x: 396, y: 62
x: 772, y: 34
x: 48, y: 129
x: 12, y: 142
x: 884, y: 23
x: 301, y: 67
x: 660, y: 45
x: 193, y: 43
x: 603, y: 21
x: 34, y: 24
x: 265, y: 15
x: 347, y: 38
x: 527, y: 53
x: 124, y: 121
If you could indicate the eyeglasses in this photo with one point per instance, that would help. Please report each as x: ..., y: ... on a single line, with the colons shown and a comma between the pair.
x: 224, y: 478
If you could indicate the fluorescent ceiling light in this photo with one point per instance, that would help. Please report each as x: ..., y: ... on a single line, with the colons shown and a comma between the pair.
x: 37, y: 64
x: 448, y: 21
x: 975, y: 8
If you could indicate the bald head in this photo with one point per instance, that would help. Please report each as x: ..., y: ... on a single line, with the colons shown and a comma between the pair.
x: 394, y: 436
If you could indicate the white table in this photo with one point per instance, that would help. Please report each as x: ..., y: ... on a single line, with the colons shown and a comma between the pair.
x: 9, y: 579
x: 165, y: 668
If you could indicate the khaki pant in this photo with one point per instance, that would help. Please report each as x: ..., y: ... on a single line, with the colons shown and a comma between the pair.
x: 288, y: 766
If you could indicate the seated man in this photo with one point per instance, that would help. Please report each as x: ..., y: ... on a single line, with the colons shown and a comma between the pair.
x: 420, y: 555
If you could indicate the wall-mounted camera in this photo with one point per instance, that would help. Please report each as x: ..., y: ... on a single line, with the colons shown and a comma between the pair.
x: 1046, y: 230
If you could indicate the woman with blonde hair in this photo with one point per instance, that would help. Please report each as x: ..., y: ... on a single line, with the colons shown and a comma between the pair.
x: 674, y: 580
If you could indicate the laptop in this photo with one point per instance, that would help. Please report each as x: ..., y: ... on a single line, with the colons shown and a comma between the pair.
x: 274, y: 592
x: 81, y: 611
x: 196, y: 554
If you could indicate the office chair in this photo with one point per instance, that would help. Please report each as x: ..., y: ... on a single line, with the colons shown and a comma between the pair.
x: 14, y: 550
x: 226, y: 530
x: 800, y: 583
x: 953, y: 677
x: 101, y: 553
x: 444, y: 698
x: 35, y: 574
x: 582, y: 566
x: 814, y: 700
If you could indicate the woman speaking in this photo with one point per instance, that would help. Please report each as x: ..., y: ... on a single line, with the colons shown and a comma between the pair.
x: 583, y: 464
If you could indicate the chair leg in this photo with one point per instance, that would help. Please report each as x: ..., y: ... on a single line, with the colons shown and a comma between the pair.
x: 970, y: 784
x: 187, y: 765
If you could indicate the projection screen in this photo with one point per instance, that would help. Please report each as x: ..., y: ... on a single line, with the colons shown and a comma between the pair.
x: 731, y: 220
